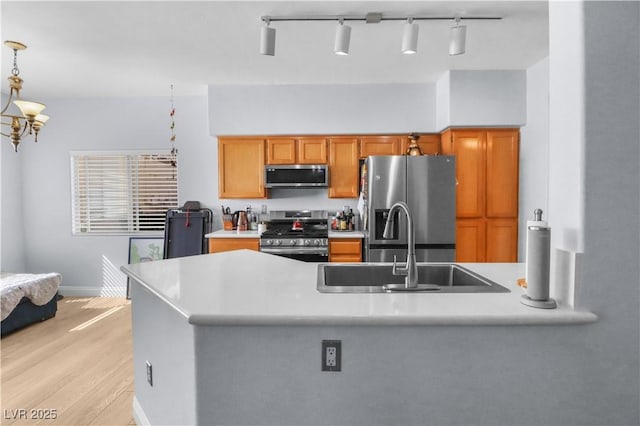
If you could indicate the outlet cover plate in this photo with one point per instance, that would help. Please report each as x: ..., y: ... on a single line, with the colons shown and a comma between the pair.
x: 331, y: 355
x: 149, y: 373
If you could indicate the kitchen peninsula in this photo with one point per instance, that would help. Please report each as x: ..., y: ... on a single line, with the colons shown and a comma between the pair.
x: 235, y: 338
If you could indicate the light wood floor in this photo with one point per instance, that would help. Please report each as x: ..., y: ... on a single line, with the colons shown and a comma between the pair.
x: 84, y: 374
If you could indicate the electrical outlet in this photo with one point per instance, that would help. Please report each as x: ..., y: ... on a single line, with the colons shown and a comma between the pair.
x: 149, y: 373
x: 331, y: 355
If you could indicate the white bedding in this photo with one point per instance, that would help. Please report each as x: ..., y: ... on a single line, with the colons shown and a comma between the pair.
x: 39, y: 288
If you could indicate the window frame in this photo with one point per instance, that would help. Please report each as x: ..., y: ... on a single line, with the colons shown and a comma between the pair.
x: 132, y: 162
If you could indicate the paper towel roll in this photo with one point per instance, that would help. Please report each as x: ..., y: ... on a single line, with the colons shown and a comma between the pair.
x: 538, y: 262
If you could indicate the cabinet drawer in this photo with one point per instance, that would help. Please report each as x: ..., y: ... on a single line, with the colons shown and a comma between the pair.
x: 345, y: 250
x: 217, y: 245
x: 344, y: 258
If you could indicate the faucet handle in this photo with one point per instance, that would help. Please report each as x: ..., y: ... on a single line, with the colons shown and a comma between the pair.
x: 403, y: 270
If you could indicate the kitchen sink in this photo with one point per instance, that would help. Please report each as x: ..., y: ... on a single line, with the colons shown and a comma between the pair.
x: 373, y: 277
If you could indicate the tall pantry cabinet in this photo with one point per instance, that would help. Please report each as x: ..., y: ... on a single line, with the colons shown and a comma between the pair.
x: 487, y: 193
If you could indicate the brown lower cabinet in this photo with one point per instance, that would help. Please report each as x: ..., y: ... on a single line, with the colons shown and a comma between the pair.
x: 218, y: 245
x: 486, y: 240
x: 345, y: 250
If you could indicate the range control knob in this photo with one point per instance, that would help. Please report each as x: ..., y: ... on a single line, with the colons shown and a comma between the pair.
x: 278, y: 242
x: 306, y: 242
x: 268, y: 242
x: 316, y: 242
x: 293, y: 242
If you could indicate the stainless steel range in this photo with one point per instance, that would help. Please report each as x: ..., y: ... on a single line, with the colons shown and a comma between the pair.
x: 301, y: 235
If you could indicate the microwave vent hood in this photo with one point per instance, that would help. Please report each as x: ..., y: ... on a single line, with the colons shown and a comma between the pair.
x: 296, y: 176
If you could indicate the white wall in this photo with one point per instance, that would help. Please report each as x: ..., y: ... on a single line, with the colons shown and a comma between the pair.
x: 566, y: 125
x: 534, y: 151
x: 323, y: 109
x: 443, y: 101
x: 12, y: 254
x: 610, y: 282
x: 594, y: 179
x: 487, y: 98
x: 90, y: 264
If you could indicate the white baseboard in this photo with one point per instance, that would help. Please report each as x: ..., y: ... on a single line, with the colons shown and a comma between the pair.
x: 78, y: 291
x: 138, y: 413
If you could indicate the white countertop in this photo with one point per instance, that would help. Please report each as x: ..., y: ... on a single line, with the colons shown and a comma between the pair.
x: 346, y: 234
x: 233, y: 234
x: 254, y: 234
x: 221, y: 289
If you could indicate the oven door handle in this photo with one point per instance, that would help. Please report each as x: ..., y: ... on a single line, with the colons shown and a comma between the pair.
x: 291, y: 250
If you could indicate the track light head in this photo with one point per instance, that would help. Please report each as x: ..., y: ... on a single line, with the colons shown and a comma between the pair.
x: 267, y: 40
x: 410, y: 37
x: 457, y: 41
x: 343, y: 36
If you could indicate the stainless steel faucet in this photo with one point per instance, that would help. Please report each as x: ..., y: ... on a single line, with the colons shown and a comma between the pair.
x: 410, y: 269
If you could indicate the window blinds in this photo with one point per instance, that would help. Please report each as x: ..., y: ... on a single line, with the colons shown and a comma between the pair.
x: 122, y: 193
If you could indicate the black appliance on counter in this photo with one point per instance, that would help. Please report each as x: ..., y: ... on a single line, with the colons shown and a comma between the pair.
x: 185, y: 229
x: 301, y: 235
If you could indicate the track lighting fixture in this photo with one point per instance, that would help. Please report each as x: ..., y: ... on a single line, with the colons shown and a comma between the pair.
x: 343, y: 36
x: 343, y: 32
x: 410, y: 37
x: 267, y: 39
x: 458, y: 38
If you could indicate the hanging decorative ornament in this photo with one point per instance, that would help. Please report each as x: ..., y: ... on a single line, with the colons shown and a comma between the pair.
x: 174, y: 150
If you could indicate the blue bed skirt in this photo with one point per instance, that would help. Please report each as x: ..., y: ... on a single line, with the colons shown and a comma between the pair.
x: 27, y: 313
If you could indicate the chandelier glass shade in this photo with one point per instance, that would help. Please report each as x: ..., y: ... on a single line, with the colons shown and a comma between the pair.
x: 29, y: 120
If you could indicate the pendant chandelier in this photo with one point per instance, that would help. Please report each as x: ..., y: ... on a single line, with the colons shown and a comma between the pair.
x: 31, y: 119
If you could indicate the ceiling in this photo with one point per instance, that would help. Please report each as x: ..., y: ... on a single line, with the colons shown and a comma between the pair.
x: 119, y: 48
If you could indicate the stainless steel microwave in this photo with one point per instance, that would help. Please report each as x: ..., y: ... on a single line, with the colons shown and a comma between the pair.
x: 296, y: 176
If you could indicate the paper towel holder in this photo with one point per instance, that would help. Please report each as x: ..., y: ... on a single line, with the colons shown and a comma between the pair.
x: 540, y: 230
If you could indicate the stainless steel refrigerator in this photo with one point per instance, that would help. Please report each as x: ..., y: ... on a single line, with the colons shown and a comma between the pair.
x: 428, y: 185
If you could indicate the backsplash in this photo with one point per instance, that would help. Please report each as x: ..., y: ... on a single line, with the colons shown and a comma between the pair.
x: 286, y: 199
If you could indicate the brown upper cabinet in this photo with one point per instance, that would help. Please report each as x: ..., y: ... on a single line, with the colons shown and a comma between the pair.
x: 241, y: 167
x: 487, y: 193
x: 428, y: 143
x: 312, y: 150
x: 343, y: 167
x: 292, y: 150
x: 241, y: 159
x: 381, y: 145
x: 397, y: 145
